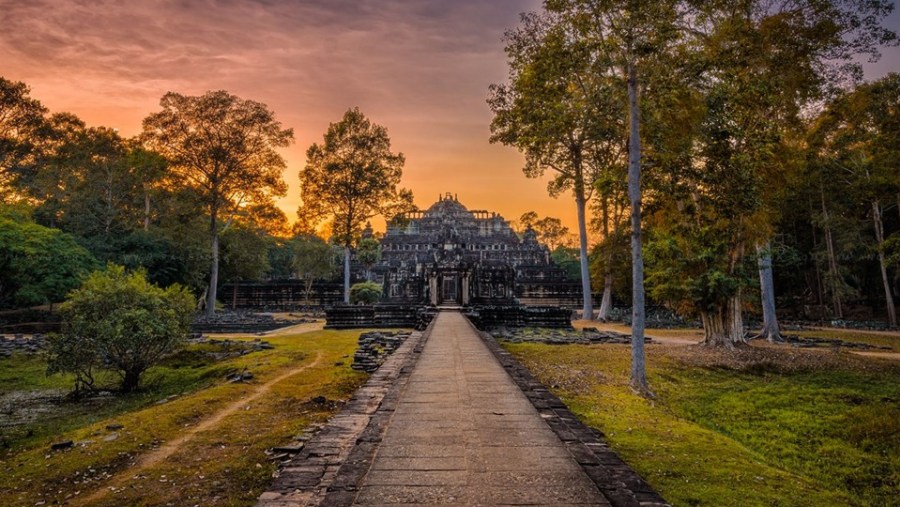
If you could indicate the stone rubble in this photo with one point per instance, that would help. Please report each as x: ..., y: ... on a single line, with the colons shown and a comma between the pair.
x: 27, y: 344
x: 375, y: 347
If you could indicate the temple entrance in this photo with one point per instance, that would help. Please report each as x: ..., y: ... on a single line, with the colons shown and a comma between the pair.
x: 449, y: 290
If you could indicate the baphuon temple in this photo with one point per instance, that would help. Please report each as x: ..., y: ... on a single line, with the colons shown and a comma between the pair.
x: 446, y: 255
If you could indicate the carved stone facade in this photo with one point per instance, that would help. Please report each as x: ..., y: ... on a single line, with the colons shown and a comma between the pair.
x: 450, y: 255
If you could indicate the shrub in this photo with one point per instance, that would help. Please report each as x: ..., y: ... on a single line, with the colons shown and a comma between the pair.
x: 119, y: 321
x: 365, y: 293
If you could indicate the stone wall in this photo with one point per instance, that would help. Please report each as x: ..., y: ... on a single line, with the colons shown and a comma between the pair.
x: 515, y: 316
x: 377, y: 316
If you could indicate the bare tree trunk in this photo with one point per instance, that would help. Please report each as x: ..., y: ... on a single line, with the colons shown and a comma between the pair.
x: 606, y: 300
x: 724, y: 326
x: 879, y: 237
x: 770, y: 330
x: 587, y: 310
x: 832, y: 260
x: 214, y: 268
x: 638, y: 368
x: 146, y: 211
x: 347, y: 275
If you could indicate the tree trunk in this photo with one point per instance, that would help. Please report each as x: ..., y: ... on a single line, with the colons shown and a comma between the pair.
x: 146, y: 211
x: 879, y: 237
x: 606, y: 302
x: 638, y: 368
x: 131, y: 380
x: 832, y: 260
x: 214, y: 268
x: 347, y: 275
x: 723, y: 326
x: 770, y: 330
x: 587, y: 311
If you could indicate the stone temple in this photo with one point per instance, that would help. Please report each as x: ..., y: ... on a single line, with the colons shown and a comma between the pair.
x: 449, y: 255
x: 446, y: 255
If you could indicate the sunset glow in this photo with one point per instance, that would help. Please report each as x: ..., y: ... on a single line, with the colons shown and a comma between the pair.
x: 420, y: 68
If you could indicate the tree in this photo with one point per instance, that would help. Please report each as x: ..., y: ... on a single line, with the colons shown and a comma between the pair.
x: 21, y: 130
x: 368, y: 252
x: 365, y: 293
x: 349, y: 178
x: 125, y: 322
x: 38, y: 265
x: 624, y: 37
x: 313, y: 259
x: 560, y: 114
x: 224, y: 147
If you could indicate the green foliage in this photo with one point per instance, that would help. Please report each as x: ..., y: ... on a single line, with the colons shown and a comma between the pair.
x: 567, y: 258
x: 22, y: 125
x: 38, y: 265
x: 245, y: 253
x: 368, y: 252
x: 365, y: 293
x: 120, y: 322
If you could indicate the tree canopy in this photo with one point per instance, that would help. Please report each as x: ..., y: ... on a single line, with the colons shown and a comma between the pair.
x: 225, y: 149
x: 351, y: 177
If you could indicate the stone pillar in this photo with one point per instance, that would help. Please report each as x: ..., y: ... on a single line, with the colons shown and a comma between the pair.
x: 433, y: 289
x: 465, y: 289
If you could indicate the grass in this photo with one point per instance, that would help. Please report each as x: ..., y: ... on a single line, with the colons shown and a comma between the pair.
x: 226, y: 465
x: 765, y: 426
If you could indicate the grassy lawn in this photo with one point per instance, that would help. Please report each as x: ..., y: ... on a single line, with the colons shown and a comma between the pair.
x: 225, y: 465
x: 765, y: 426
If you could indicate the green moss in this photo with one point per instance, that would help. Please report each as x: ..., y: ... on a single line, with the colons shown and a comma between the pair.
x: 718, y: 436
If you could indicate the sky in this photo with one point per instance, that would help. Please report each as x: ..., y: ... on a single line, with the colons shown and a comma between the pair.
x: 421, y: 68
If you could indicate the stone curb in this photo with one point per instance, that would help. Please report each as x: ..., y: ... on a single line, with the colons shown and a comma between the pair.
x: 618, y: 482
x: 326, y: 472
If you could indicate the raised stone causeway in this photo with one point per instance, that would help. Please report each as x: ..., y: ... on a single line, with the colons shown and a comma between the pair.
x: 345, y: 440
x: 620, y: 484
x: 460, y: 423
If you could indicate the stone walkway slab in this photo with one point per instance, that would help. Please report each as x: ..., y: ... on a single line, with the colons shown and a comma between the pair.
x: 463, y: 433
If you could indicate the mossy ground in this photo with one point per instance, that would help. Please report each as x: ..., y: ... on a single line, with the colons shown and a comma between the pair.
x: 762, y: 426
x: 226, y: 465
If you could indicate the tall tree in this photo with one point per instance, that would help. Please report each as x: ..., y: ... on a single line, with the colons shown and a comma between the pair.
x: 225, y: 148
x: 562, y: 115
x: 625, y: 37
x: 351, y: 177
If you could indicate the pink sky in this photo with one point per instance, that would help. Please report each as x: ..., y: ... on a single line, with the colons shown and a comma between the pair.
x: 419, y: 67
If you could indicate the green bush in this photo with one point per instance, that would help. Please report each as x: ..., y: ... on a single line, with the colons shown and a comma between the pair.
x: 365, y: 293
x: 119, y: 321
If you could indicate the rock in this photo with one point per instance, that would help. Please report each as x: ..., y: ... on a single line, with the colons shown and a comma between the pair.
x: 58, y: 446
x: 319, y: 400
x: 246, y: 376
x: 114, y: 427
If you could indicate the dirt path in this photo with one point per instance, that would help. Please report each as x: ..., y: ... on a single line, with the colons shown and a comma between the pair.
x: 169, y: 448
